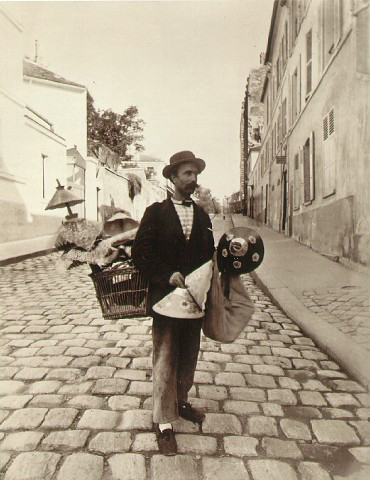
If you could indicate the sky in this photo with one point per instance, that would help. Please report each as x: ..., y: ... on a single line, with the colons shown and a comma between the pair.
x: 184, y: 64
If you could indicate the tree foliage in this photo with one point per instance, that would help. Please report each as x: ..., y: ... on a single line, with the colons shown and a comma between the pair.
x: 204, y: 198
x: 121, y: 133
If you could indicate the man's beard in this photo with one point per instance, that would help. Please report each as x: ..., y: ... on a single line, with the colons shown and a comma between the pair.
x: 191, y: 187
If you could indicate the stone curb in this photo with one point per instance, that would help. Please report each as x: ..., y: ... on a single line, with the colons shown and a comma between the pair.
x: 348, y: 354
x: 20, y: 258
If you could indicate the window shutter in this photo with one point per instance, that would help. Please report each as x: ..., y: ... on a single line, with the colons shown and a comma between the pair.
x: 325, y: 128
x: 284, y: 122
x: 312, y: 166
x: 331, y: 144
x: 301, y: 176
x: 299, y: 87
x: 331, y: 122
x: 306, y: 171
x: 294, y: 96
x: 329, y: 153
x: 309, y: 62
x: 286, y: 41
x: 296, y: 181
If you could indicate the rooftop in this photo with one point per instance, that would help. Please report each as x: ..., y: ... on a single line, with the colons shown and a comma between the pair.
x: 32, y: 69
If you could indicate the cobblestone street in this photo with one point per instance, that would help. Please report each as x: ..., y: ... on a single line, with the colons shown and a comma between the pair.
x: 347, y: 308
x: 76, y: 394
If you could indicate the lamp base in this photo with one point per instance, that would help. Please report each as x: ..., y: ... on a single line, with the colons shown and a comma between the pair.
x: 71, y: 216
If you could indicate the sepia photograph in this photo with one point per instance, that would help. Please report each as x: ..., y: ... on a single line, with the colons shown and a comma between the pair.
x: 184, y: 240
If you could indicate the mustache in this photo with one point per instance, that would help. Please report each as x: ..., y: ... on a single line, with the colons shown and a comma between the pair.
x: 193, y: 185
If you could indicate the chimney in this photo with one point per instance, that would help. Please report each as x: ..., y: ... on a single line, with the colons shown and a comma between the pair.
x: 262, y: 58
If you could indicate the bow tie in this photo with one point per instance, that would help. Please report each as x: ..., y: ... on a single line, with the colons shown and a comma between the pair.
x: 185, y: 203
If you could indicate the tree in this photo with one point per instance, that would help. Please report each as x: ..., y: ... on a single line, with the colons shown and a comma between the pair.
x: 204, y: 198
x: 121, y: 133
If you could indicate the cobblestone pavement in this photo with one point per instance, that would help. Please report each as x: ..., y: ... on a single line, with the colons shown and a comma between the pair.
x: 76, y: 394
x: 346, y: 308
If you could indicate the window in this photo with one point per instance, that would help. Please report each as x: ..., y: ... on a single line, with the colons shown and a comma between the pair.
x: 328, y: 130
x: 150, y: 173
x: 328, y: 29
x: 296, y: 92
x: 338, y: 20
x: 284, y: 49
x: 78, y: 175
x: 331, y: 27
x: 257, y: 134
x: 296, y: 18
x: 308, y: 63
x: 362, y: 43
x: 308, y: 170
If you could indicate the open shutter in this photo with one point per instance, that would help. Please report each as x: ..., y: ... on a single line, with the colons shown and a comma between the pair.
x: 306, y: 172
x: 301, y: 176
x: 329, y: 153
x: 296, y: 181
x: 299, y: 87
x: 312, y: 166
x: 308, y: 62
x: 331, y: 143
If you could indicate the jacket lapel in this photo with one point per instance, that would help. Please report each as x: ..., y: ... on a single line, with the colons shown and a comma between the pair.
x: 195, y: 221
x: 172, y: 221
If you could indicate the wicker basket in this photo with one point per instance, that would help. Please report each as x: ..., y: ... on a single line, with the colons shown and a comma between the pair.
x: 121, y: 290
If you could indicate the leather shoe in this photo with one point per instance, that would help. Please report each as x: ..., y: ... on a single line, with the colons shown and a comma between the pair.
x: 166, y: 441
x: 187, y: 411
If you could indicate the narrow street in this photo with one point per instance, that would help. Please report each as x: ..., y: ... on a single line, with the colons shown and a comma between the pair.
x: 76, y: 393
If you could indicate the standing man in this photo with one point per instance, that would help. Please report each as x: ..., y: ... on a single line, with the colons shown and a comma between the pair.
x: 174, y: 239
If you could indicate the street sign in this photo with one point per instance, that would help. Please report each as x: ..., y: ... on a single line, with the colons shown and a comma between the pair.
x: 280, y: 160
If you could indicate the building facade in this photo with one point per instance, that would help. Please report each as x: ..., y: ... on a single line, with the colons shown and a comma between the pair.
x: 251, y: 127
x: 311, y: 177
x: 43, y: 139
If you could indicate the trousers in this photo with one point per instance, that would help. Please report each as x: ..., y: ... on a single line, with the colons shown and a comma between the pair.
x: 176, y: 344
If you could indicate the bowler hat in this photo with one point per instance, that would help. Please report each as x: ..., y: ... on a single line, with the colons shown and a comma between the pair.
x: 183, y: 157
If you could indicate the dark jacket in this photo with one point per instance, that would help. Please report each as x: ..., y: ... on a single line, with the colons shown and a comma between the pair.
x: 160, y: 247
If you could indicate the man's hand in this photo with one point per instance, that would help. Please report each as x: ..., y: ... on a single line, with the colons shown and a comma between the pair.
x: 177, y: 280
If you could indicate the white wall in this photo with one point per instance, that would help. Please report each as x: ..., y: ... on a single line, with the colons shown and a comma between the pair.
x: 41, y: 182
x: 91, y: 185
x: 64, y: 105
